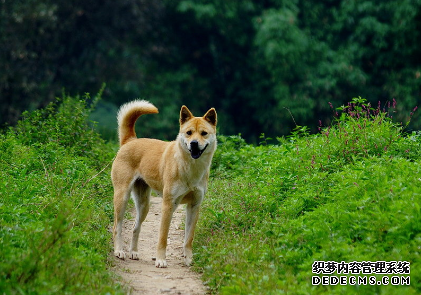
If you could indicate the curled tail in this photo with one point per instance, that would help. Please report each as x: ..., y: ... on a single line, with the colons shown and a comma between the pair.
x: 127, y: 116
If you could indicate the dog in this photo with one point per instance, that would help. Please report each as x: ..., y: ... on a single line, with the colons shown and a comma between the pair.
x: 176, y: 170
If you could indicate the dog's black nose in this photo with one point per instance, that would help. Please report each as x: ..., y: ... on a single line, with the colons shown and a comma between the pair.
x: 194, y: 143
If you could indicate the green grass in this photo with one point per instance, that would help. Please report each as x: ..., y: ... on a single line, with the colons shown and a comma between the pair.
x: 56, y: 204
x: 352, y: 192
x: 349, y: 193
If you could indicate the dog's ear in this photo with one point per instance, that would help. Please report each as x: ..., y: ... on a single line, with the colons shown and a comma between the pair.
x: 211, y: 117
x: 185, y: 115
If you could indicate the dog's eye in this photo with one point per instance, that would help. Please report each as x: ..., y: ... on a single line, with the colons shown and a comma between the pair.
x: 204, y: 133
x: 189, y: 132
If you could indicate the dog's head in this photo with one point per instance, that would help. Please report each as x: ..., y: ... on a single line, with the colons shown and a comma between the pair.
x: 197, y: 134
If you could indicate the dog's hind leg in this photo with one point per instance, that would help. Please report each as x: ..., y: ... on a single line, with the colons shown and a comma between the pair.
x: 121, y: 197
x: 141, y: 197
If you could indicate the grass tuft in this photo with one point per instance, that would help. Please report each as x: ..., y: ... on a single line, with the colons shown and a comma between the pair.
x: 55, y: 206
x: 352, y: 192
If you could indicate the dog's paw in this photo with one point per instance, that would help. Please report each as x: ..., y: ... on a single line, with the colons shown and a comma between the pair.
x: 161, y: 263
x: 188, y: 256
x: 188, y: 261
x: 120, y: 254
x: 134, y: 255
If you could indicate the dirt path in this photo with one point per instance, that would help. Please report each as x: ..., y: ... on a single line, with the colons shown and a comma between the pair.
x: 141, y: 275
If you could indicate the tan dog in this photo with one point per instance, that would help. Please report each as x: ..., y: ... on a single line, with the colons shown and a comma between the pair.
x: 177, y: 170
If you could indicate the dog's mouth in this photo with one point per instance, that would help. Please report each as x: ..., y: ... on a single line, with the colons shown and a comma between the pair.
x: 195, y: 151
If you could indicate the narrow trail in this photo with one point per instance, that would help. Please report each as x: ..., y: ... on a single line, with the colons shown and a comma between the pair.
x: 142, y: 276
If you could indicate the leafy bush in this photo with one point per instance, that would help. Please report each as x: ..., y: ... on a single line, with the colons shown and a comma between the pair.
x: 65, y: 123
x: 350, y: 193
x: 55, y: 208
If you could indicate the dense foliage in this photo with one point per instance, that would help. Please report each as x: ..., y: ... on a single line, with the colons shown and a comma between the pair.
x: 249, y: 59
x: 349, y: 193
x: 49, y: 45
x: 55, y: 205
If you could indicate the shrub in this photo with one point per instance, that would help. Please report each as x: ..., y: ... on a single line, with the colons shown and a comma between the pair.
x: 349, y: 193
x: 55, y: 208
x: 65, y: 123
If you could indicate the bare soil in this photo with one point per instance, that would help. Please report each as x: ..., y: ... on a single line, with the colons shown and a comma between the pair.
x: 141, y: 276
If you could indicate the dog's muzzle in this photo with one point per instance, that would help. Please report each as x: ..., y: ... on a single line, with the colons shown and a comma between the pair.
x: 194, y: 149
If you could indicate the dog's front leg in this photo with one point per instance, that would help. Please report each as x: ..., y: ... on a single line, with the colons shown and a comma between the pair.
x: 192, y: 215
x: 168, y: 208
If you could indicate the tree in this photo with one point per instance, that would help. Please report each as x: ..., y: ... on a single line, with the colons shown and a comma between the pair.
x: 254, y: 61
x: 48, y: 46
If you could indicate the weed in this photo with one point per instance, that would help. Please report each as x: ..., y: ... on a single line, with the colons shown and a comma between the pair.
x: 54, y: 209
x: 349, y: 193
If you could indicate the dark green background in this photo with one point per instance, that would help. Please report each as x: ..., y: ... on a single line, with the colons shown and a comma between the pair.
x: 249, y: 59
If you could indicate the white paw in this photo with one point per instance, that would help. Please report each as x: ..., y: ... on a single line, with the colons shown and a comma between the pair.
x: 161, y: 263
x: 188, y: 261
x: 120, y: 254
x: 134, y: 255
x: 188, y: 256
